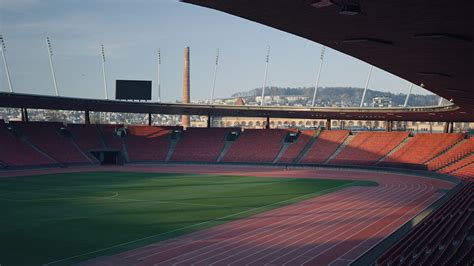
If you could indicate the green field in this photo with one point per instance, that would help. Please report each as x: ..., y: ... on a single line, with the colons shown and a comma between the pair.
x: 80, y: 216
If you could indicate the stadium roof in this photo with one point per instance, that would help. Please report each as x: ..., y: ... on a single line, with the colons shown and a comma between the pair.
x: 427, y: 42
x: 449, y: 113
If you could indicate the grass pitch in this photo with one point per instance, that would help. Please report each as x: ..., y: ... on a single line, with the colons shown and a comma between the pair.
x: 60, y: 219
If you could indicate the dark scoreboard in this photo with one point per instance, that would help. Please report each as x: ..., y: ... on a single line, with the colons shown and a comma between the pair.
x: 133, y: 90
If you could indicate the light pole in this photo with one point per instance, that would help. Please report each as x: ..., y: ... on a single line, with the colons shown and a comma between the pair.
x: 102, y: 50
x: 4, y: 48
x: 319, y: 73
x: 408, y: 96
x: 366, y: 86
x: 265, y: 76
x: 215, y: 76
x: 158, y: 75
x: 50, y: 54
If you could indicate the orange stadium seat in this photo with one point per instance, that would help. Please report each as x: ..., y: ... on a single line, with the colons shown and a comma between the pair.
x: 200, y: 144
x: 256, y: 146
x: 148, y: 143
x: 326, y: 144
x: 14, y: 152
x: 367, y: 148
x: 297, y: 147
x: 47, y: 137
x: 422, y: 148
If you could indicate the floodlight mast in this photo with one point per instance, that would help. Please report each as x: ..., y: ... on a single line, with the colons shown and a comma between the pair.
x: 323, y: 48
x: 4, y: 48
x: 158, y: 73
x: 408, y: 95
x: 366, y: 86
x: 265, y: 76
x: 440, y: 101
x: 102, y: 49
x: 215, y: 76
x: 50, y: 55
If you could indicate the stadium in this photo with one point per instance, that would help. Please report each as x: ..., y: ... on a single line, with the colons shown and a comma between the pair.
x: 98, y: 192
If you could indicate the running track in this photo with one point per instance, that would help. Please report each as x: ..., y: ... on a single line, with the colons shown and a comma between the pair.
x: 334, y: 229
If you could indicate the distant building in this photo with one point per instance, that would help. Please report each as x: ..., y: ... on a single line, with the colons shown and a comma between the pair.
x: 381, y: 101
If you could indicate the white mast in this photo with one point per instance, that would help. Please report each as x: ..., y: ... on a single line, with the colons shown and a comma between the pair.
x: 50, y: 54
x: 102, y: 50
x: 4, y: 48
x: 265, y: 76
x: 408, y: 95
x: 319, y: 73
x: 366, y: 86
x: 158, y: 73
x: 215, y: 76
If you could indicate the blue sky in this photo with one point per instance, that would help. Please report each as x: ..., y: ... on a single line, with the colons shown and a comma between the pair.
x: 132, y: 32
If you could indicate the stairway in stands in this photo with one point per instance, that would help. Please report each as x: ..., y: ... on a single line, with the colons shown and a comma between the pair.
x: 282, y: 151
x: 173, y: 143
x: 227, y: 145
x: 307, y: 148
x: 340, y: 148
x: 403, y: 143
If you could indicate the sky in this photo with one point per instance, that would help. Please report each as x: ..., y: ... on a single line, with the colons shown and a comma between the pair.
x: 133, y: 31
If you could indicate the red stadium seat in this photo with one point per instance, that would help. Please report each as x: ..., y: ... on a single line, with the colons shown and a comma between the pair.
x: 200, y: 144
x: 326, y: 144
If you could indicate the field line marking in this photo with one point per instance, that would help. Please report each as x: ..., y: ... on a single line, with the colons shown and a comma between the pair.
x: 114, y: 195
x: 198, y: 224
x: 176, y: 202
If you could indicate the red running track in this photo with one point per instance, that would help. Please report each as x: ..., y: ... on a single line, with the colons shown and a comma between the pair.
x: 334, y: 229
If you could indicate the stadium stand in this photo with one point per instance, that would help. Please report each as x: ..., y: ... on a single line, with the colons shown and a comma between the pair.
x: 422, y: 148
x: 86, y: 136
x: 110, y: 137
x: 445, y: 237
x: 452, y: 155
x: 201, y: 144
x: 297, y: 147
x: 148, y: 143
x: 14, y: 152
x: 256, y: 146
x: 366, y: 148
x: 458, y: 164
x: 326, y: 144
x: 465, y: 173
x: 47, y: 137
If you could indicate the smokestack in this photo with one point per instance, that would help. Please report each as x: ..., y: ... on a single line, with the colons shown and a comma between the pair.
x: 186, y: 87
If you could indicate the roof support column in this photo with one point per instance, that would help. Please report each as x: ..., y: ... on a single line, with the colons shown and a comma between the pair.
x: 267, y: 125
x: 150, y: 120
x: 209, y: 121
x: 24, y: 115
x: 328, y: 124
x: 87, y: 117
x: 446, y: 126
x: 388, y: 126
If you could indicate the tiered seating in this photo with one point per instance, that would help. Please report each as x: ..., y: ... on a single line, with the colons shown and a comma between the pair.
x: 423, y: 147
x: 458, y: 165
x: 112, y: 140
x: 465, y: 173
x: 295, y: 148
x: 147, y: 143
x: 86, y: 136
x: 256, y: 146
x: 326, y: 144
x: 452, y: 155
x: 442, y: 238
x: 14, y: 152
x: 366, y: 148
x: 46, y: 136
x: 200, y: 144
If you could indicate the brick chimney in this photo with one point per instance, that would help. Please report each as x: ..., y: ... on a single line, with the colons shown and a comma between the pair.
x: 186, y: 88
